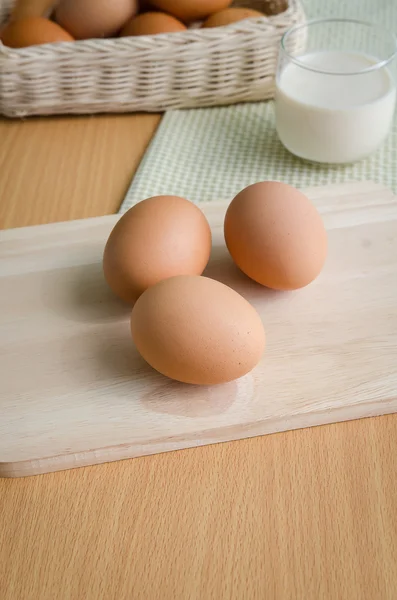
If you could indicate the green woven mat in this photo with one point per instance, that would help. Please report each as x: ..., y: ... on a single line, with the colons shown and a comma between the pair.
x: 211, y: 154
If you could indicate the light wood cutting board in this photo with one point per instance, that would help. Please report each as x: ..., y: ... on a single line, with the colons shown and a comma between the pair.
x: 74, y: 391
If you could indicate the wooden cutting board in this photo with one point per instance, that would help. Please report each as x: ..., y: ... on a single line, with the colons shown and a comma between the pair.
x: 75, y: 392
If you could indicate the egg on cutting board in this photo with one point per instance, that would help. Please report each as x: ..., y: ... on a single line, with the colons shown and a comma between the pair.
x: 152, y: 23
x: 197, y: 330
x: 190, y: 10
x: 276, y: 236
x: 157, y: 238
x: 33, y: 31
x: 86, y: 19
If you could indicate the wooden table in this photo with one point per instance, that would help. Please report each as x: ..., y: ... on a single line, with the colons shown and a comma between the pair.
x: 303, y: 515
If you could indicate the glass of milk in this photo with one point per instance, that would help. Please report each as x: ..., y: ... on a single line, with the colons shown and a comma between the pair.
x: 335, y: 89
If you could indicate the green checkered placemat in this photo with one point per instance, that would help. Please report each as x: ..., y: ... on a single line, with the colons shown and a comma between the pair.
x: 213, y: 153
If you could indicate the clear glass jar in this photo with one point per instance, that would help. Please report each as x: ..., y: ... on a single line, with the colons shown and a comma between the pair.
x: 335, y: 89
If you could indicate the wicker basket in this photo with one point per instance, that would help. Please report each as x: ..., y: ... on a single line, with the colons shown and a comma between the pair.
x: 195, y: 68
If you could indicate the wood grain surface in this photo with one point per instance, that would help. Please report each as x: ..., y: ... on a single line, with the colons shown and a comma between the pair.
x: 57, y: 169
x: 303, y: 515
x: 75, y: 391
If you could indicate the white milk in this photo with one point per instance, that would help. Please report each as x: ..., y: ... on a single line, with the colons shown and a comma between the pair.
x: 334, y: 118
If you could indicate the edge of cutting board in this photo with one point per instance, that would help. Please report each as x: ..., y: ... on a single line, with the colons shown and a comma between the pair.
x: 65, y: 462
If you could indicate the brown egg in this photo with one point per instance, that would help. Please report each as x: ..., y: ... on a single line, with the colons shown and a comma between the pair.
x: 231, y: 15
x: 191, y: 10
x: 197, y: 330
x: 157, y: 238
x: 276, y: 236
x: 152, y: 23
x: 33, y: 31
x: 94, y: 18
